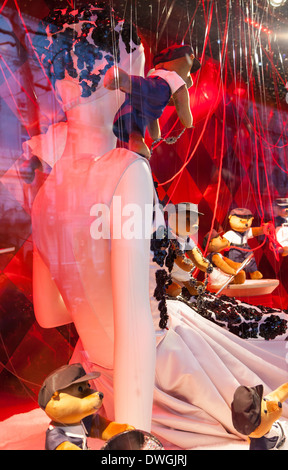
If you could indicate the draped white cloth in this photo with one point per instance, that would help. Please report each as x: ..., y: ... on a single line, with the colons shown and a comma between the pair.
x: 199, y: 366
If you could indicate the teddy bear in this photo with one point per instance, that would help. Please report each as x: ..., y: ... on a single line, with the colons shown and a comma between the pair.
x: 187, y: 256
x: 257, y: 417
x: 240, y: 220
x: 72, y: 406
x: 223, y: 266
x: 146, y: 98
x: 281, y: 223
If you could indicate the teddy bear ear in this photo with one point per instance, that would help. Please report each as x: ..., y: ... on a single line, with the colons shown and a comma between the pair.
x: 56, y: 396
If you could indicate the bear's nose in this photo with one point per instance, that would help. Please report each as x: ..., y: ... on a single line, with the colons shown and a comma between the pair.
x: 101, y: 395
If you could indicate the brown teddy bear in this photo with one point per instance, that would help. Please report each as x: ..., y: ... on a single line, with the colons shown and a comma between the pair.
x: 257, y: 417
x: 183, y: 225
x: 223, y: 266
x: 68, y: 400
x: 146, y: 98
x: 240, y: 221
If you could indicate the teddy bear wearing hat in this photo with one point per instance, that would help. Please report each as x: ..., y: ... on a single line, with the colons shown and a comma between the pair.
x: 146, y: 98
x: 70, y: 403
x: 223, y: 266
x: 257, y: 417
x: 240, y: 220
x: 183, y: 225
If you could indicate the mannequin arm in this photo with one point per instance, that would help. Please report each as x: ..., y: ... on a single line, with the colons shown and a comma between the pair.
x: 49, y: 307
x: 135, y: 348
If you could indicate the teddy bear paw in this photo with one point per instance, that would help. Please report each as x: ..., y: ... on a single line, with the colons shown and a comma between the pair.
x: 256, y: 275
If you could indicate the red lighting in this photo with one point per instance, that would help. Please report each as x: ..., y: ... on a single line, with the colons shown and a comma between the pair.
x: 258, y: 26
x: 239, y: 92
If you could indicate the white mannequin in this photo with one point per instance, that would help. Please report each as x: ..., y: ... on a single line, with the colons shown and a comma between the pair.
x: 199, y: 364
x: 128, y: 346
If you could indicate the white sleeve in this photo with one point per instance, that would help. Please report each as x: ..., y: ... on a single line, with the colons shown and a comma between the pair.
x: 282, y: 236
x: 229, y: 236
x: 172, y: 78
x: 249, y: 234
x: 175, y: 81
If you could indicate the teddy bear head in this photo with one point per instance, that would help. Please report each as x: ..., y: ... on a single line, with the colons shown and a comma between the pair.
x: 240, y: 219
x: 281, y: 207
x: 252, y: 414
x: 217, y: 242
x: 66, y: 396
x: 184, y: 219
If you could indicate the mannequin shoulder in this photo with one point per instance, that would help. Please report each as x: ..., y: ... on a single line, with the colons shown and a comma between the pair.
x: 138, y: 168
x: 136, y: 182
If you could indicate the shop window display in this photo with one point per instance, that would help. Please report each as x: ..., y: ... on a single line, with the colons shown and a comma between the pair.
x: 53, y: 60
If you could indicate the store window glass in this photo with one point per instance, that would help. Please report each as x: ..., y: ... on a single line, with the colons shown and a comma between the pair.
x: 54, y: 55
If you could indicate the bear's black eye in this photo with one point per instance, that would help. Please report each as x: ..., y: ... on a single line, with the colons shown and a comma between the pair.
x: 80, y: 389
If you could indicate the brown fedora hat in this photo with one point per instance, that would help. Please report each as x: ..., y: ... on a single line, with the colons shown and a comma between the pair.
x: 246, y: 408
